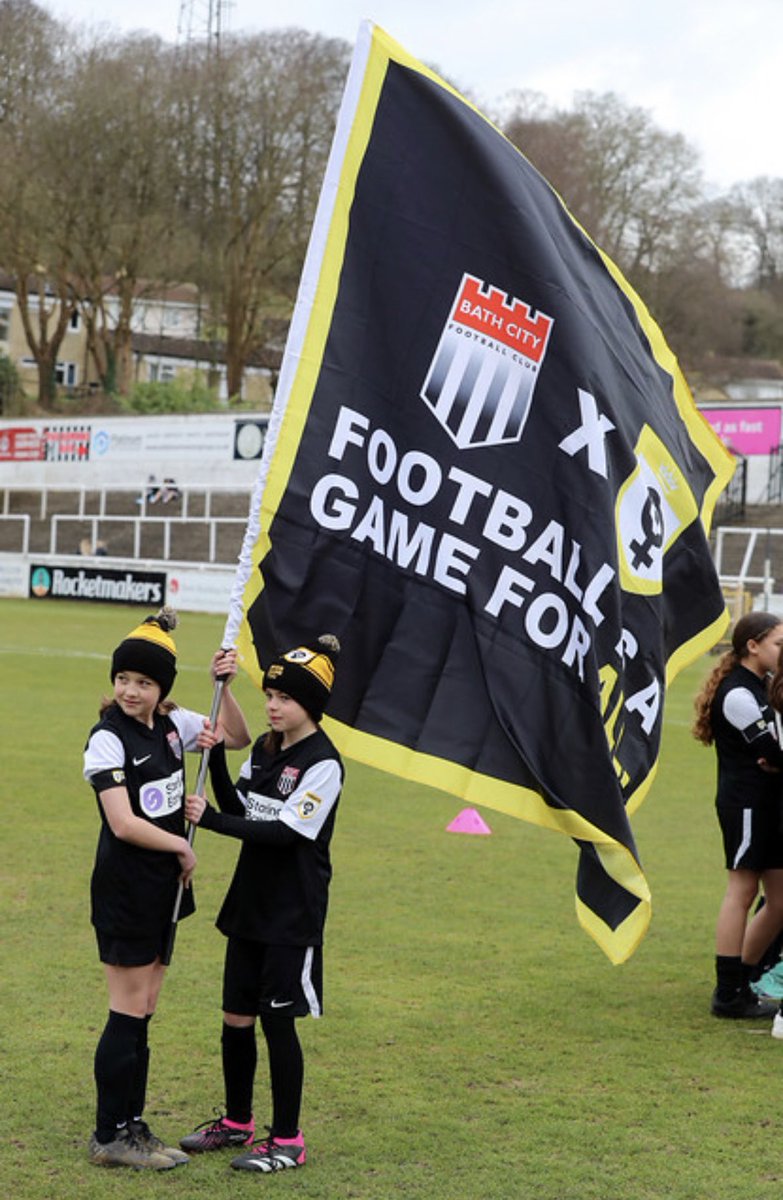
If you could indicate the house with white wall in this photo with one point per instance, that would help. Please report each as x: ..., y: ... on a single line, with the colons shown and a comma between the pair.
x: 167, y: 345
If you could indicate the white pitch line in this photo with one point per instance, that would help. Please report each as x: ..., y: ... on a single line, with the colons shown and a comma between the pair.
x: 51, y: 652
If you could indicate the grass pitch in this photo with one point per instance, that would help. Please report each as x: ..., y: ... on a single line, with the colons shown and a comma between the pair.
x: 476, y: 1044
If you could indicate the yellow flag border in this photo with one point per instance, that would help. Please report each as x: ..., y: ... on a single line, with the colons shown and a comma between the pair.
x: 515, y: 801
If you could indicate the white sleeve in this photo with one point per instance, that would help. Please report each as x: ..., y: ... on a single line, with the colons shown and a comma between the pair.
x: 742, y: 710
x: 244, y: 775
x: 189, y: 725
x: 105, y: 752
x: 306, y: 809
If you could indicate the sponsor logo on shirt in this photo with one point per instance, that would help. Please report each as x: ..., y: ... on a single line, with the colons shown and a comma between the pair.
x: 287, y: 780
x: 261, y: 808
x: 161, y: 797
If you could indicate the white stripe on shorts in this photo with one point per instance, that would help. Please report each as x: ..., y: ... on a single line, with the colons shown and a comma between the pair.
x: 307, y: 984
x: 747, y: 825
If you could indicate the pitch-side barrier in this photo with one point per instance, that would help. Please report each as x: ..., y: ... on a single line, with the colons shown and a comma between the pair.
x: 186, y: 586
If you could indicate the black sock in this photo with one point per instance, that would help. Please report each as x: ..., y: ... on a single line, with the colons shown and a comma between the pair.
x: 115, y: 1066
x: 770, y: 958
x: 286, y: 1073
x: 751, y: 973
x: 238, y: 1045
x: 730, y: 975
x: 138, y: 1093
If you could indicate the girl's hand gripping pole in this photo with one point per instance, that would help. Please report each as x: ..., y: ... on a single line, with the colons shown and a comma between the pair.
x: 201, y: 783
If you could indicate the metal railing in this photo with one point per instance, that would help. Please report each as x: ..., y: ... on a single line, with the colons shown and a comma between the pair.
x: 755, y: 566
x: 733, y: 500
x: 139, y: 523
x: 82, y: 493
x: 25, y: 519
x: 775, y: 475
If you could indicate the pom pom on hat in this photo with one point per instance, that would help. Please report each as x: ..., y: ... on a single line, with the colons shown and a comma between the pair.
x: 149, y: 649
x: 306, y: 673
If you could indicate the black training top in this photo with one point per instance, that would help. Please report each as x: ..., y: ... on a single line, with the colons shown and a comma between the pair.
x: 743, y: 726
x: 283, y: 808
x: 133, y: 889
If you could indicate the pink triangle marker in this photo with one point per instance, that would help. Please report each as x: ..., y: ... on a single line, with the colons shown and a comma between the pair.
x: 468, y: 821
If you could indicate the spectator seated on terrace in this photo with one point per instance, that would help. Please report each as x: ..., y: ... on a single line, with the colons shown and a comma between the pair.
x: 169, y: 491
x: 152, y: 493
x: 99, y: 550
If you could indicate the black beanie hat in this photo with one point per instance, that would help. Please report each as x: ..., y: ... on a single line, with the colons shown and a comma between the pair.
x: 150, y: 650
x: 306, y: 673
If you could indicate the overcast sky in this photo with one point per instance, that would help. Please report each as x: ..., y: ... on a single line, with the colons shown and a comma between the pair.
x: 709, y: 69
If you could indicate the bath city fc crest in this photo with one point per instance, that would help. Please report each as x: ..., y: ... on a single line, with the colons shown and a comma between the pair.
x: 287, y: 780
x: 481, y: 379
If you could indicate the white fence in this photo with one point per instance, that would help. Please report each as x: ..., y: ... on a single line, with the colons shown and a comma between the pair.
x: 24, y: 521
x: 185, y: 497
x: 139, y: 524
x: 757, y: 550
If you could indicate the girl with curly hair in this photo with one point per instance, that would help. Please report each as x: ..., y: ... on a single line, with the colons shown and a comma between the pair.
x: 734, y: 714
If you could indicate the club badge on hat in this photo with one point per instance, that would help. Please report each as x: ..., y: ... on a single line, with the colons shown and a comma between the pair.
x: 306, y: 673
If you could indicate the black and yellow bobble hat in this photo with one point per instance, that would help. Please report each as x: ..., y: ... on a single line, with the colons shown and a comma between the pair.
x: 150, y: 650
x: 306, y: 673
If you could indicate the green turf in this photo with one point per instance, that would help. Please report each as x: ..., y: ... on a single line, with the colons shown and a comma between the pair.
x: 476, y: 1044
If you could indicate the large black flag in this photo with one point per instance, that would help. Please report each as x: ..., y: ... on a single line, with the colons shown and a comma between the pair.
x: 486, y: 475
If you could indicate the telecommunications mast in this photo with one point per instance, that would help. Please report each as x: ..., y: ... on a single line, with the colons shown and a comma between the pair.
x: 202, y: 21
x: 201, y: 29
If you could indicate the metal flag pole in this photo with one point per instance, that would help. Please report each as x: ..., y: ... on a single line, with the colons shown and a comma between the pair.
x: 201, y: 783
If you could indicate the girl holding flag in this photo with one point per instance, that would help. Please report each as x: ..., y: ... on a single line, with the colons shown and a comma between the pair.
x: 134, y: 762
x: 282, y: 809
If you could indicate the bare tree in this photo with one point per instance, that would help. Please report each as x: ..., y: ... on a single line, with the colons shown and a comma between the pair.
x: 639, y: 193
x: 630, y: 184
x: 256, y: 152
x: 126, y: 161
x: 28, y: 51
x: 758, y: 217
x: 110, y: 146
x: 32, y: 210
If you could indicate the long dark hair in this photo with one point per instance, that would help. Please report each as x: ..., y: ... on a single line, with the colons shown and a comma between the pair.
x: 273, y: 742
x: 753, y: 627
